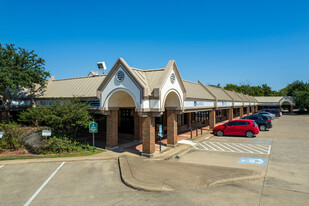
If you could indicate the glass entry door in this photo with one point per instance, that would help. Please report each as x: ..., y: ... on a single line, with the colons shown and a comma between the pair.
x: 126, y: 121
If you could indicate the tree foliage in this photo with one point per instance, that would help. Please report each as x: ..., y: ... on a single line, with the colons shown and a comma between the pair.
x: 66, y: 116
x: 263, y: 90
x: 20, y: 69
x: 300, y: 91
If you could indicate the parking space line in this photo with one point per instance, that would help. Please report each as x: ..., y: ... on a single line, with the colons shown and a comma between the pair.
x: 216, y: 146
x: 262, y: 146
x: 234, y: 148
x: 237, y: 145
x: 204, y: 147
x: 209, y: 146
x: 265, y: 150
x: 269, y: 148
x: 1, y: 166
x: 255, y: 150
x: 225, y: 147
x: 43, y: 185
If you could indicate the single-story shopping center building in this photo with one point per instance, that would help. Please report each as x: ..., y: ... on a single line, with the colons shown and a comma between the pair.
x: 132, y: 103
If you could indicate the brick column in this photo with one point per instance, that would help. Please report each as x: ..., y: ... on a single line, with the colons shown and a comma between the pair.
x: 171, y: 128
x: 148, y: 135
x: 257, y: 108
x: 230, y: 114
x: 112, y: 130
x: 189, y: 120
x: 241, y: 111
x: 137, y: 127
x: 248, y: 110
x: 212, y: 119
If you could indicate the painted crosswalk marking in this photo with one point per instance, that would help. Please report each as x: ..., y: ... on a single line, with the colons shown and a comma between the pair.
x: 1, y: 166
x: 233, y: 147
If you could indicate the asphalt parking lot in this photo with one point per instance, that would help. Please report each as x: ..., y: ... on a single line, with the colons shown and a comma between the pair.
x: 284, y: 149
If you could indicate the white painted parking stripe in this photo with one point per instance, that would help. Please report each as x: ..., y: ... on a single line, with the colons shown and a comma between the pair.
x: 237, y: 145
x: 265, y: 150
x: 269, y: 148
x: 234, y: 148
x: 216, y: 146
x: 39, y: 190
x: 225, y: 147
x: 253, y: 149
x: 209, y: 146
x: 262, y: 146
x: 1, y: 166
x: 204, y: 147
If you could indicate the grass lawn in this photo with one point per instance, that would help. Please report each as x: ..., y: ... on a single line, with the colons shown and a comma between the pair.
x: 84, y: 153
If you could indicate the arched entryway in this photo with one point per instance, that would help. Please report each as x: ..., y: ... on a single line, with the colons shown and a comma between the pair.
x: 286, y: 107
x: 121, y: 118
x: 173, y: 106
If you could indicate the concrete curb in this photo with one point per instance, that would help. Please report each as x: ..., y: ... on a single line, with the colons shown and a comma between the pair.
x: 128, y: 179
x: 174, y: 183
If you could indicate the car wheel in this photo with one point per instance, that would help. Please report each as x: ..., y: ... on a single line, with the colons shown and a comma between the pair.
x: 262, y: 127
x: 249, y: 134
x: 220, y: 133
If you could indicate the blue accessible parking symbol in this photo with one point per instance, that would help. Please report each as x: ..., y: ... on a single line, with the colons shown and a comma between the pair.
x: 252, y: 160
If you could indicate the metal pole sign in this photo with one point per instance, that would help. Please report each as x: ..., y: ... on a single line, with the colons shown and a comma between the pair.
x: 1, y: 134
x: 46, y: 133
x: 160, y: 134
x: 93, y: 128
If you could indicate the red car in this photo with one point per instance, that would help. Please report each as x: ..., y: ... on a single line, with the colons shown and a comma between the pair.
x: 243, y: 127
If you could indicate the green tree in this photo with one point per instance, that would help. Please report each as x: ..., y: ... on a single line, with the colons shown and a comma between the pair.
x: 263, y: 90
x: 66, y: 116
x: 300, y: 91
x: 20, y: 69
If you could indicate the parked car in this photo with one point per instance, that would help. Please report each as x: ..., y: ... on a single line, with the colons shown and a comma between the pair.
x: 263, y: 121
x: 276, y: 112
x: 241, y: 127
x: 268, y: 114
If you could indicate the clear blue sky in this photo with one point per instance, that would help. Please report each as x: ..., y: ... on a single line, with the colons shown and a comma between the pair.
x: 250, y: 41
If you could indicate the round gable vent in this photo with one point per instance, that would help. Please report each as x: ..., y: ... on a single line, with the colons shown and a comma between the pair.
x: 120, y: 76
x: 173, y: 78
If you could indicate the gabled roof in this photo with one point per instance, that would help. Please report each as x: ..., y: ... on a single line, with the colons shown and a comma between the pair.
x: 197, y: 91
x: 68, y: 88
x: 251, y: 98
x: 219, y: 93
x: 234, y: 96
x: 243, y: 97
x: 270, y: 99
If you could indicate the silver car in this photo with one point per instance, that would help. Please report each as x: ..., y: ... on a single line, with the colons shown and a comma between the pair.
x: 272, y: 116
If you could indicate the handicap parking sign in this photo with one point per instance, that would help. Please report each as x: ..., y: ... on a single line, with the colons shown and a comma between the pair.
x: 160, y: 131
x: 252, y: 160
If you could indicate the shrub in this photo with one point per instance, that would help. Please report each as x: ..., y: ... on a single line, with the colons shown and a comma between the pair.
x: 67, y: 116
x: 56, y: 145
x: 10, y: 139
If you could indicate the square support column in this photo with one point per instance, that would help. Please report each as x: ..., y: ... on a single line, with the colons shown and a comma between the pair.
x: 241, y: 111
x: 137, y: 127
x: 171, y: 128
x: 230, y: 114
x: 248, y: 110
x: 112, y: 130
x: 189, y: 120
x: 212, y: 119
x: 148, y: 135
